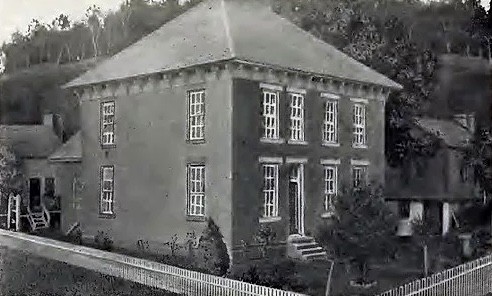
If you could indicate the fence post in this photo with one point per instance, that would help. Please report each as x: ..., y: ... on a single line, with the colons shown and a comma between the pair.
x: 328, y: 283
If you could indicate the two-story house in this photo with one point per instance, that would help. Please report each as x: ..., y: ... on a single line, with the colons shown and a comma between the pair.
x: 231, y: 112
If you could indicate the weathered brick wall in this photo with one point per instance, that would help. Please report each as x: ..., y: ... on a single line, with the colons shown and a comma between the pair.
x: 247, y: 182
x: 150, y: 161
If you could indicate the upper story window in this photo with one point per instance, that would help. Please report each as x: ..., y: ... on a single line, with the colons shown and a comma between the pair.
x: 270, y: 114
x: 196, y: 115
x: 465, y: 173
x: 330, y: 122
x: 331, y: 186
x: 196, y: 190
x: 296, y: 117
x: 107, y: 190
x: 107, y: 123
x: 359, y: 120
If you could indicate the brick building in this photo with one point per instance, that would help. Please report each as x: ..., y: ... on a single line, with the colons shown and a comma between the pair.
x: 211, y: 116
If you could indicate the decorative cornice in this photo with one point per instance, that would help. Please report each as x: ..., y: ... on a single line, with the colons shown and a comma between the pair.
x: 157, y: 82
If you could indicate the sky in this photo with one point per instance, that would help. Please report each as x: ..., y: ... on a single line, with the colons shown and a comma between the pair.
x: 17, y: 14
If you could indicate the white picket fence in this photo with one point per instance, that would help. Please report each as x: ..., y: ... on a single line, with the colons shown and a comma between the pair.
x: 470, y: 279
x: 161, y: 276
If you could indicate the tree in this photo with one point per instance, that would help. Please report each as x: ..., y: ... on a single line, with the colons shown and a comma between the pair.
x: 214, y: 257
x: 11, y: 178
x: 425, y: 231
x: 364, y: 228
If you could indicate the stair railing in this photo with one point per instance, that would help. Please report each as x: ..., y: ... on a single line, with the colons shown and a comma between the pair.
x: 30, y: 219
x: 46, y: 214
x: 14, y: 201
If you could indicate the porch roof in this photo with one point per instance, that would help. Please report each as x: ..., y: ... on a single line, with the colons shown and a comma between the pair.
x: 71, y: 151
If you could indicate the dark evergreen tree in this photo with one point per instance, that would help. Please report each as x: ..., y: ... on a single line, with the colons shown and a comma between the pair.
x: 213, y: 255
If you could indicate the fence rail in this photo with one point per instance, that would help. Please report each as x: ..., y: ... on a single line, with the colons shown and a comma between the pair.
x: 470, y: 279
x: 142, y: 271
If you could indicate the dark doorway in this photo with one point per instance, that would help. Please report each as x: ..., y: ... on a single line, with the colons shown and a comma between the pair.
x: 293, y: 189
x: 34, y: 193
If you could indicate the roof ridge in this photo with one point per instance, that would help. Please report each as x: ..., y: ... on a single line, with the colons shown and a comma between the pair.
x: 227, y: 28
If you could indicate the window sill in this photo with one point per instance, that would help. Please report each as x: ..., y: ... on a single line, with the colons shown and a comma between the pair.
x: 272, y: 141
x: 196, y: 218
x: 327, y: 144
x: 196, y: 142
x: 108, y: 146
x: 107, y: 216
x: 297, y: 142
x: 270, y: 219
x: 327, y: 215
x: 359, y: 146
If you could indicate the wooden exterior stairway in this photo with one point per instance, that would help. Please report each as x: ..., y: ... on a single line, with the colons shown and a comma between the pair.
x: 39, y: 220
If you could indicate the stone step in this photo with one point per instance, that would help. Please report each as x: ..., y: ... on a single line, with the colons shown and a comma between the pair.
x: 302, y: 246
x: 316, y: 256
x: 312, y: 251
x: 302, y: 239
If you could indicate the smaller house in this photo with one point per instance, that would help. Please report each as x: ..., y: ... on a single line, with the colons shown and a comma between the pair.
x: 43, y: 157
x: 435, y: 186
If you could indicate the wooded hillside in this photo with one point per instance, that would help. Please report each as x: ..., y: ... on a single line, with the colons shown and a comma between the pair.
x: 400, y: 38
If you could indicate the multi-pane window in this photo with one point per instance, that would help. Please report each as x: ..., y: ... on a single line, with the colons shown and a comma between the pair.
x: 196, y: 115
x: 270, y: 190
x: 359, y: 117
x: 330, y: 122
x: 296, y: 117
x: 107, y: 190
x: 107, y: 123
x: 270, y: 114
x: 359, y: 176
x: 196, y: 190
x: 331, y: 179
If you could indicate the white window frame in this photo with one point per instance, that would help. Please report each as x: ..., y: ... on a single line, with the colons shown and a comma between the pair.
x: 330, y: 122
x: 107, y: 194
x: 270, y: 114
x: 359, y: 117
x: 107, y: 123
x: 363, y: 179
x: 297, y: 117
x: 330, y: 186
x: 196, y: 196
x: 270, y: 174
x: 196, y: 115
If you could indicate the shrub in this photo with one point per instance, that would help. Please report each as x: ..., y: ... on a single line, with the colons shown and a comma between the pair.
x: 103, y: 241
x: 213, y: 257
x: 75, y: 237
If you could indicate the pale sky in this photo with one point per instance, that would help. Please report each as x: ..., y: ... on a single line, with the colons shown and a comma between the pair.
x: 17, y: 14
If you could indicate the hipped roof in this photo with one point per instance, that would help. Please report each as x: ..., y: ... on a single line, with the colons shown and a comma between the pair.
x: 220, y: 30
x: 29, y: 141
x: 452, y: 133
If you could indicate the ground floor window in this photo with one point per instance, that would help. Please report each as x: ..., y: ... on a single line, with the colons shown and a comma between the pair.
x: 196, y: 190
x: 404, y: 209
x: 270, y: 190
x: 107, y: 190
x: 359, y: 176
x: 330, y: 181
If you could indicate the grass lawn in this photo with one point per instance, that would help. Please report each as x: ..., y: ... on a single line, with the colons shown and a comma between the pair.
x: 24, y: 274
